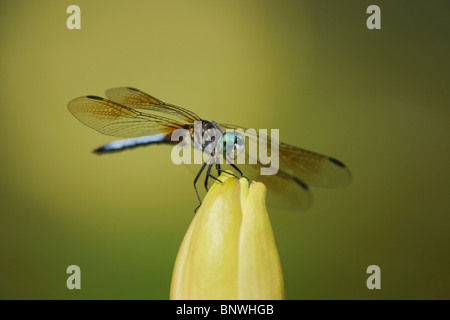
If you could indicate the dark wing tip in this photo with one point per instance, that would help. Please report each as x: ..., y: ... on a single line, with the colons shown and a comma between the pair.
x: 95, y: 97
x: 301, y: 183
x: 336, y: 161
x: 133, y: 89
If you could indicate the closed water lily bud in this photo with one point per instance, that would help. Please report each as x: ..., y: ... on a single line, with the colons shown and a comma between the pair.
x: 229, y: 250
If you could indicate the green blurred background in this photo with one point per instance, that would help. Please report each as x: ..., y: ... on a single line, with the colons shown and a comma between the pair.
x: 376, y: 99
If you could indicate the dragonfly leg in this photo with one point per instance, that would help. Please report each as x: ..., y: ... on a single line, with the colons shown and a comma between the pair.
x: 238, y: 170
x: 208, y: 174
x: 195, y: 185
x: 220, y: 170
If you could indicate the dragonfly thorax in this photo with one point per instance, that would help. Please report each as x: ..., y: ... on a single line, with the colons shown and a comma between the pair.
x: 208, y: 136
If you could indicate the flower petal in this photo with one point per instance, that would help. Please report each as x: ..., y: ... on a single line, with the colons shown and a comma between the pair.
x: 206, y: 266
x: 260, y: 275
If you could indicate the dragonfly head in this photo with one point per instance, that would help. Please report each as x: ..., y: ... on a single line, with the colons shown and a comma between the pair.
x: 231, y: 144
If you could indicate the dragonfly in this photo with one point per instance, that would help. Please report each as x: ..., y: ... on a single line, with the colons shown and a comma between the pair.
x: 145, y: 120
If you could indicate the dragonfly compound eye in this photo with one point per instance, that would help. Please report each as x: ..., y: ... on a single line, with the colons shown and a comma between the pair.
x: 225, y: 144
x: 231, y: 145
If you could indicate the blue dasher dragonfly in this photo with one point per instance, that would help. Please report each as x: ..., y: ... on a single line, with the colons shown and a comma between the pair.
x: 144, y: 120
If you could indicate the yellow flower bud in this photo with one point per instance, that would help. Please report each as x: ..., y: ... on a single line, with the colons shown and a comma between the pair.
x: 229, y: 250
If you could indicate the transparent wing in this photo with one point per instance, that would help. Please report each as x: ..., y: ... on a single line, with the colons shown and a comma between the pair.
x: 135, y: 98
x: 312, y: 168
x: 113, y: 119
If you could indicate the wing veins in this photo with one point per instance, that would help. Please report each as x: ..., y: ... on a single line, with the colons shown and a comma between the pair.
x: 140, y: 100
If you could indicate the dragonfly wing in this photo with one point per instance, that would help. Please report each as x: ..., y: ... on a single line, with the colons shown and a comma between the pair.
x: 114, y: 119
x: 135, y: 98
x: 312, y: 168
